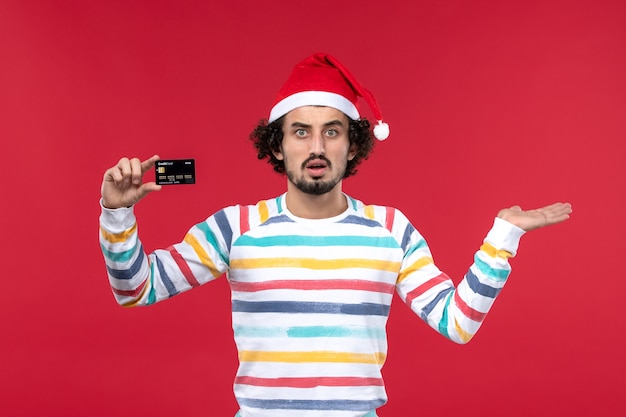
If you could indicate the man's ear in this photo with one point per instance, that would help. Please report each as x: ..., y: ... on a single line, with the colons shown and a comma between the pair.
x: 352, y: 151
x: 278, y: 155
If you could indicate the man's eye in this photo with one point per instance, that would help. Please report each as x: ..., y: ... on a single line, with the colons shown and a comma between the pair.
x: 331, y: 132
x: 301, y: 133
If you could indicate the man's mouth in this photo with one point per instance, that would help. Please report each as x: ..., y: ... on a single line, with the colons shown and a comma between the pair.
x: 316, y: 165
x: 316, y: 168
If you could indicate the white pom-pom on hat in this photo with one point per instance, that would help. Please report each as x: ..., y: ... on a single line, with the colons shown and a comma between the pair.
x: 381, y: 130
x: 321, y: 80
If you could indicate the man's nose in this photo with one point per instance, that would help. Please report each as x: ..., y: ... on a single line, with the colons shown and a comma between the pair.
x: 317, y: 143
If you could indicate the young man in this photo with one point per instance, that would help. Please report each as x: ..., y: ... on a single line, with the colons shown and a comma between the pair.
x: 313, y: 271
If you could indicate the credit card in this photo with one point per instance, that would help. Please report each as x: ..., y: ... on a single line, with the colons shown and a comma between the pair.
x: 175, y: 171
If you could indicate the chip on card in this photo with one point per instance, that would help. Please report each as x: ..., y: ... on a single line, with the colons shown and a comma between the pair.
x: 175, y: 171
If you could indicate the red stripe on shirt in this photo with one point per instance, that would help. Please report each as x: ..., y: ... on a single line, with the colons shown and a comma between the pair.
x: 309, y: 382
x: 389, y: 218
x: 425, y: 287
x: 131, y: 293
x: 327, y: 284
x: 467, y: 310
x: 184, y: 268
x: 244, y: 224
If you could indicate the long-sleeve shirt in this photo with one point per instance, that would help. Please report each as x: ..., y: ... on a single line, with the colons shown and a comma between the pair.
x: 310, y: 298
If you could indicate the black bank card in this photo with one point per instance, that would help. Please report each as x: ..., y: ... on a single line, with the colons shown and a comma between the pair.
x: 175, y: 171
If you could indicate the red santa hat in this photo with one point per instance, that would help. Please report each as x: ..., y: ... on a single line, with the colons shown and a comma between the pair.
x: 321, y: 80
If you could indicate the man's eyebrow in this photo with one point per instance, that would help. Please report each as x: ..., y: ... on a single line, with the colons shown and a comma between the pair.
x: 335, y: 122
x: 299, y: 124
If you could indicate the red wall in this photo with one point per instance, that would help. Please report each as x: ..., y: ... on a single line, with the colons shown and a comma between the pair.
x: 491, y: 103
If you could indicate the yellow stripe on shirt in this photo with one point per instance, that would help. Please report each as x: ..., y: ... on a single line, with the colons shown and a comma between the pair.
x: 465, y: 336
x: 311, y: 263
x: 202, y: 255
x: 378, y: 358
x: 417, y: 265
x: 118, y: 237
x: 264, y: 213
x: 495, y: 253
x: 134, y: 302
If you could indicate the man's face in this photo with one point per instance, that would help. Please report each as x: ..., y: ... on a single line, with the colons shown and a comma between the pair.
x: 315, y: 148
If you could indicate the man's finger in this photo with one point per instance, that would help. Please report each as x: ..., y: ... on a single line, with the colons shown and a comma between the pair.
x: 121, y: 172
x: 136, y: 171
x: 557, y: 212
x: 559, y: 209
x: 149, y: 163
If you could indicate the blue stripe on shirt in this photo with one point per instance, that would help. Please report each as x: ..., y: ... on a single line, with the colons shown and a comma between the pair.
x: 480, y: 288
x: 278, y: 219
x: 224, y: 226
x: 494, y: 273
x: 352, y: 219
x: 419, y: 245
x: 378, y: 242
x: 167, y: 282
x: 430, y: 306
x: 129, y: 273
x: 327, y: 405
x: 406, y: 237
x: 363, y: 309
x: 360, y: 332
x: 212, y: 239
x: 119, y: 257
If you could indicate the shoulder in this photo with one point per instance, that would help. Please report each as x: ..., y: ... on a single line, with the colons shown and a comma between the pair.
x: 387, y: 216
x: 395, y: 222
x: 252, y: 215
x: 229, y: 223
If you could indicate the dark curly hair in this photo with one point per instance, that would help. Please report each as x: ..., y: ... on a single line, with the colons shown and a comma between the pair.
x: 267, y: 138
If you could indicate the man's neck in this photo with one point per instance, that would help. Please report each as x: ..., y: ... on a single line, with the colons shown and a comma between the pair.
x: 311, y: 206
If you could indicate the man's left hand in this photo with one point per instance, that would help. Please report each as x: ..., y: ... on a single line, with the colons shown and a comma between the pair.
x: 534, y: 219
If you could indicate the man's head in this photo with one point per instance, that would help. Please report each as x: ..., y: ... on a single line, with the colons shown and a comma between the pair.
x: 268, y: 140
x: 320, y: 81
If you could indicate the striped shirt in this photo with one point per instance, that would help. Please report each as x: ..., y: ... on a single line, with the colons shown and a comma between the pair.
x: 310, y: 298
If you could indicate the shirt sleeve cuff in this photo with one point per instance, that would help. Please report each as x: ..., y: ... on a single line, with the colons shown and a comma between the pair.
x: 117, y: 220
x: 504, y: 235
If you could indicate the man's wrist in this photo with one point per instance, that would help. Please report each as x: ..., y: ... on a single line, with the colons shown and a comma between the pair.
x: 504, y: 235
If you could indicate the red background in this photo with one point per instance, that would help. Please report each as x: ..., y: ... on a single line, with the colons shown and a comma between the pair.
x: 491, y: 103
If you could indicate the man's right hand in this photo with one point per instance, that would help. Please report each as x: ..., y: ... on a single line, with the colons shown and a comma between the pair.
x: 122, y: 184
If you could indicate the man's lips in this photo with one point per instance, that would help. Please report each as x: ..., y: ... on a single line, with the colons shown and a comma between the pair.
x: 317, y: 166
x: 316, y: 169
